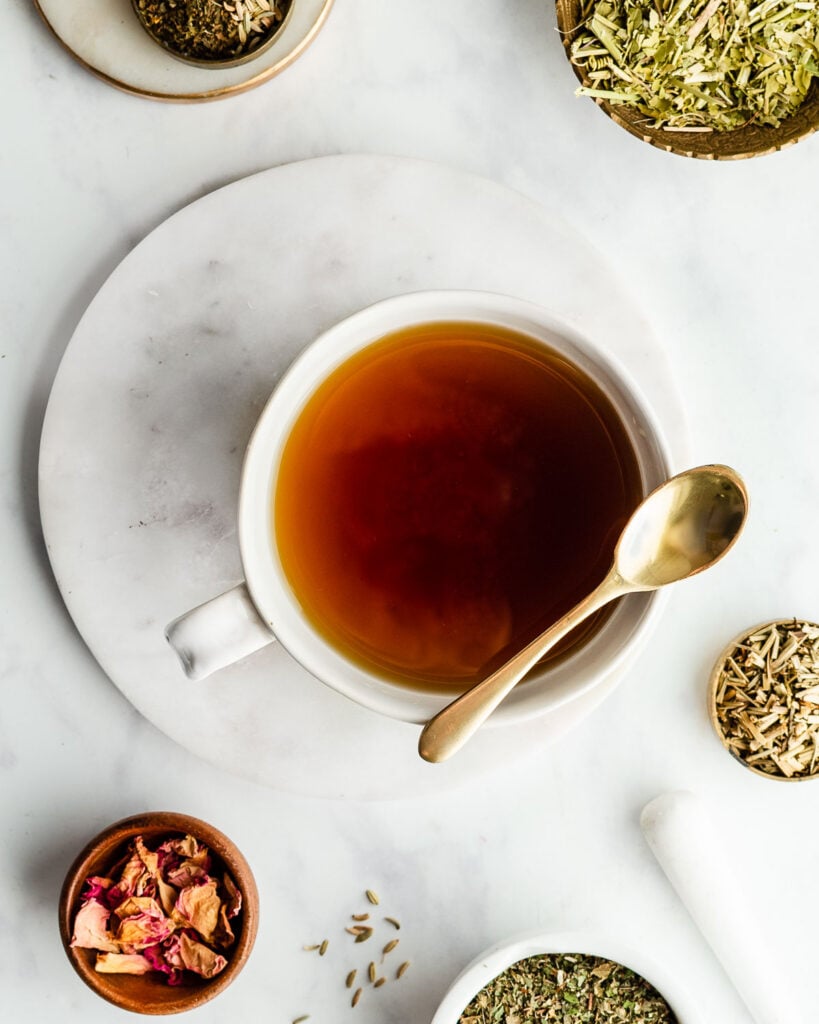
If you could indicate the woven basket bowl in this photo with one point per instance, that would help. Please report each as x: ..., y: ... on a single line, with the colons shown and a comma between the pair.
x: 755, y: 140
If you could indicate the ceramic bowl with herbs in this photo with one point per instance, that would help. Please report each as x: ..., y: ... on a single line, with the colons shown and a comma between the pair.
x: 542, y: 978
x: 700, y: 78
x: 214, y: 33
x: 158, y: 913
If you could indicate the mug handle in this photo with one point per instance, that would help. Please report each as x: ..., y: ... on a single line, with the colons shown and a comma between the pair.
x: 218, y: 633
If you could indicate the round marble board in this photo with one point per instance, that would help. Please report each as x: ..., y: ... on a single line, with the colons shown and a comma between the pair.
x: 158, y: 392
x: 106, y: 37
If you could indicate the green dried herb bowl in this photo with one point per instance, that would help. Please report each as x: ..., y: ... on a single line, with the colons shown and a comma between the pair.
x: 220, y: 63
x: 495, y: 960
x: 739, y: 144
x: 148, y: 994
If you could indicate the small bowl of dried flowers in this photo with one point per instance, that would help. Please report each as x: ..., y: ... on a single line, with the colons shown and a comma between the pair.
x: 214, y: 33
x: 158, y: 913
x: 763, y: 699
x: 700, y: 78
x: 538, y: 977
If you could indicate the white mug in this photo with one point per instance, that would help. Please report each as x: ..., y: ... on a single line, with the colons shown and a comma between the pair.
x: 263, y: 608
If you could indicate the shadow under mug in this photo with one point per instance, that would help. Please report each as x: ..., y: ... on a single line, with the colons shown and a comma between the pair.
x: 263, y: 608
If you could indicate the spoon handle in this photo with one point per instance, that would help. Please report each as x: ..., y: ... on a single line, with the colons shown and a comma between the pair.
x: 447, y: 732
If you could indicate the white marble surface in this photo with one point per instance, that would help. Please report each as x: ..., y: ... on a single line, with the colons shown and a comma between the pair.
x: 720, y: 258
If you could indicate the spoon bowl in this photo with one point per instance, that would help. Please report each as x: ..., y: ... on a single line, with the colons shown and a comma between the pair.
x: 684, y: 526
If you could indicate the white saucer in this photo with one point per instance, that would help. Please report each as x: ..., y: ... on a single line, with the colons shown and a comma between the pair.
x: 160, y: 387
x: 106, y: 37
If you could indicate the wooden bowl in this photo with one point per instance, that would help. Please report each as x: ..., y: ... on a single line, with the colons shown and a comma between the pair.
x: 148, y: 993
x: 754, y: 140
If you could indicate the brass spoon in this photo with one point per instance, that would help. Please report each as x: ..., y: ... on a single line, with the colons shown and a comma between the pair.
x: 684, y: 526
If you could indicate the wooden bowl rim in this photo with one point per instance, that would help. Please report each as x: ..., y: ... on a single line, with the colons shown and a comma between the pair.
x: 106, y: 843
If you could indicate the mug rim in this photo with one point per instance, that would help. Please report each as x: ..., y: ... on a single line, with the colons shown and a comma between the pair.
x: 278, y: 606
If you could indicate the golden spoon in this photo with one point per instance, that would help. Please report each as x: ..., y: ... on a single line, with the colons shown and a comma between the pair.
x: 684, y: 526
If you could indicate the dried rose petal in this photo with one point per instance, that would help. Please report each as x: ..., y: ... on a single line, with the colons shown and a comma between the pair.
x: 171, y: 951
x: 155, y: 955
x: 234, y: 900
x: 122, y: 963
x: 131, y: 874
x: 91, y: 928
x: 149, y: 859
x: 198, y: 906
x: 96, y: 888
x: 168, y: 895
x: 199, y: 958
x: 223, y: 936
x: 184, y: 861
x: 151, y: 914
x: 143, y: 924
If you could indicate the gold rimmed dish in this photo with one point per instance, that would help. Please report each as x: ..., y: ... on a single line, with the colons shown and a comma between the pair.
x: 106, y: 39
x: 761, y: 699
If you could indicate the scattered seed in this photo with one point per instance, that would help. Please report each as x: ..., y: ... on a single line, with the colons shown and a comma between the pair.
x: 371, y: 896
x: 390, y: 946
x: 357, y: 929
x: 393, y: 922
x: 379, y: 983
x: 360, y: 917
x: 302, y: 1019
x: 310, y: 949
x: 402, y: 970
x: 350, y: 979
x: 323, y: 947
x: 364, y: 935
x: 356, y: 996
x: 371, y: 971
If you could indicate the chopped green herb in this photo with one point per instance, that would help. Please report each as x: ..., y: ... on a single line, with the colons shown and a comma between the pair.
x: 568, y: 989
x: 700, y: 65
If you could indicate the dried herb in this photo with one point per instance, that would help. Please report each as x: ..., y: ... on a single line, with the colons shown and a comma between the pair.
x: 568, y: 989
x: 700, y: 65
x: 362, y: 930
x: 161, y: 911
x: 767, y: 699
x: 212, y: 29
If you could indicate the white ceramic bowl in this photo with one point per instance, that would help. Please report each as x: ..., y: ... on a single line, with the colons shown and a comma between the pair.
x: 496, y: 959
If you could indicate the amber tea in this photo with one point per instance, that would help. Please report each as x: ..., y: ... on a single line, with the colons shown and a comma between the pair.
x: 446, y: 494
